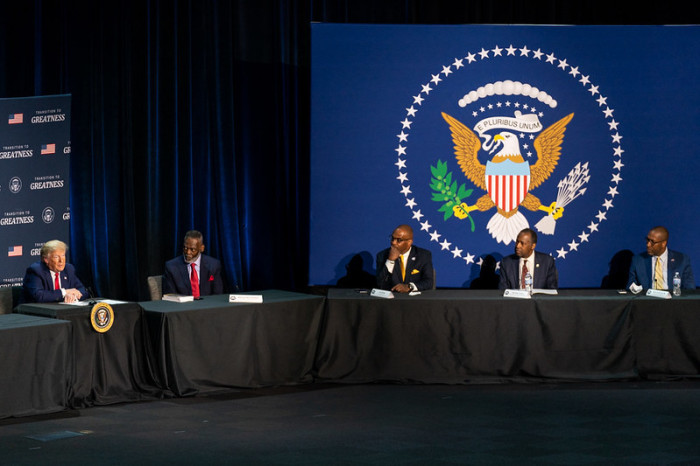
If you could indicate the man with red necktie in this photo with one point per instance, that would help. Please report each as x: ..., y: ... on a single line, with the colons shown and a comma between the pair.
x: 541, y: 266
x: 193, y: 273
x: 52, y: 279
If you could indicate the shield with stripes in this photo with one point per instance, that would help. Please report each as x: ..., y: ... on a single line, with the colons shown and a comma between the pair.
x: 507, y: 183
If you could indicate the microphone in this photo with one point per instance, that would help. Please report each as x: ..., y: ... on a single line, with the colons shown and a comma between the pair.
x: 91, y: 295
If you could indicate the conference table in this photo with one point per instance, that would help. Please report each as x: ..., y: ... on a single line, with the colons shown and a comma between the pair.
x: 35, y: 366
x: 157, y: 349
x: 480, y: 336
x: 111, y: 367
x: 211, y: 344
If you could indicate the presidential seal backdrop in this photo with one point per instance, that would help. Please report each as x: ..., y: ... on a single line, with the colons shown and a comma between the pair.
x: 522, y: 154
x: 471, y: 133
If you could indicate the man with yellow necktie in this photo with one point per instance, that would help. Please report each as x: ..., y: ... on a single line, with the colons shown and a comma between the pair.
x: 403, y: 267
x: 656, y: 267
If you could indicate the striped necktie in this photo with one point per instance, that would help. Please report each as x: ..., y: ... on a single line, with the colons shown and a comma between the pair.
x: 658, y: 275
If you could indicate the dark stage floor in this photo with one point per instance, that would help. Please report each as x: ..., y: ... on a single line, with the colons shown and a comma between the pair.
x: 545, y: 424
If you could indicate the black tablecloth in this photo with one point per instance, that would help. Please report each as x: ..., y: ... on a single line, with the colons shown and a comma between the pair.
x: 667, y: 335
x: 463, y: 336
x: 35, y: 366
x: 440, y: 336
x: 210, y: 344
x: 111, y: 367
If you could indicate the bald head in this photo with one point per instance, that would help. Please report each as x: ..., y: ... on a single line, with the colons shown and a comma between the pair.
x: 405, y: 228
x: 661, y: 231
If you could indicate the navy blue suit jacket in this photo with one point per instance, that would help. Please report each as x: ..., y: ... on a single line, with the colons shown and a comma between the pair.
x: 176, y: 278
x: 640, y: 270
x: 38, y: 286
x: 545, y: 276
x: 419, y: 270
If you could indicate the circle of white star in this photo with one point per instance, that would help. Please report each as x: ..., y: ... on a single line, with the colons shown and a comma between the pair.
x: 490, y: 54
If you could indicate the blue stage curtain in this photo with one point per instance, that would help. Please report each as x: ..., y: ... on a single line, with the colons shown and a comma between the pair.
x: 186, y: 114
x: 195, y: 114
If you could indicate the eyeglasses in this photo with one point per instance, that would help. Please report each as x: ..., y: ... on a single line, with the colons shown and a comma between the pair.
x: 398, y: 240
x: 653, y: 243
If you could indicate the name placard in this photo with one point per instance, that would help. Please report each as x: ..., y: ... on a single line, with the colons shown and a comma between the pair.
x: 522, y: 294
x: 377, y: 293
x: 663, y: 294
x: 245, y: 298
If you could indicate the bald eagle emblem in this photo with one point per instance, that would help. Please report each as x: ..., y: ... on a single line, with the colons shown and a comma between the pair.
x: 508, y: 178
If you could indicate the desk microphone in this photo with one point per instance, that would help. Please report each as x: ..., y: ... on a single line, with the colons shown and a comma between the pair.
x: 91, y: 296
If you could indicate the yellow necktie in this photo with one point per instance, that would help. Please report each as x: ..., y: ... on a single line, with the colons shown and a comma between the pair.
x: 403, y: 268
x: 658, y: 275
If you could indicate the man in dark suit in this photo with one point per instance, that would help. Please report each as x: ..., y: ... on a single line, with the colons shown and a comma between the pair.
x: 193, y: 273
x: 52, y: 279
x: 541, y: 266
x: 644, y: 271
x: 403, y: 267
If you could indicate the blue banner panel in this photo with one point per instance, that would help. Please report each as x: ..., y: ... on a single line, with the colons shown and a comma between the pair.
x: 34, y: 167
x: 471, y: 133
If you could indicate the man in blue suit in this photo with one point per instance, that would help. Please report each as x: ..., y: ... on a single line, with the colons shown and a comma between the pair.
x: 51, y: 279
x: 645, y: 271
x: 526, y: 259
x: 193, y: 273
x: 403, y: 267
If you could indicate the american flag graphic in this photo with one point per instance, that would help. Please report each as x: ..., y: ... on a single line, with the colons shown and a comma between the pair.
x: 14, y: 251
x: 48, y: 148
x: 507, y: 191
x: 15, y: 118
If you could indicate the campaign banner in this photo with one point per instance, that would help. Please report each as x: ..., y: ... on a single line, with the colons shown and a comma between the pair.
x: 471, y: 133
x: 34, y: 175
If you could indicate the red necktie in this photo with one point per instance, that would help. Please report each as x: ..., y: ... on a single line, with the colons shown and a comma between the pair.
x: 522, y: 278
x: 56, y: 285
x: 194, y: 281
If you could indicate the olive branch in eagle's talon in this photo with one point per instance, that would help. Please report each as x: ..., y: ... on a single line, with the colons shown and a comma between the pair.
x: 445, y: 190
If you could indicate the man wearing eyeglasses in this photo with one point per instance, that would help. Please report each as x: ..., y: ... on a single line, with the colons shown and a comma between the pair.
x: 193, y: 273
x: 403, y: 267
x: 656, y: 267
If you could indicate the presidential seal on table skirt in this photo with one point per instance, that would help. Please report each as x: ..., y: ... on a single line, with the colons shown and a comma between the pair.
x: 102, y: 317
